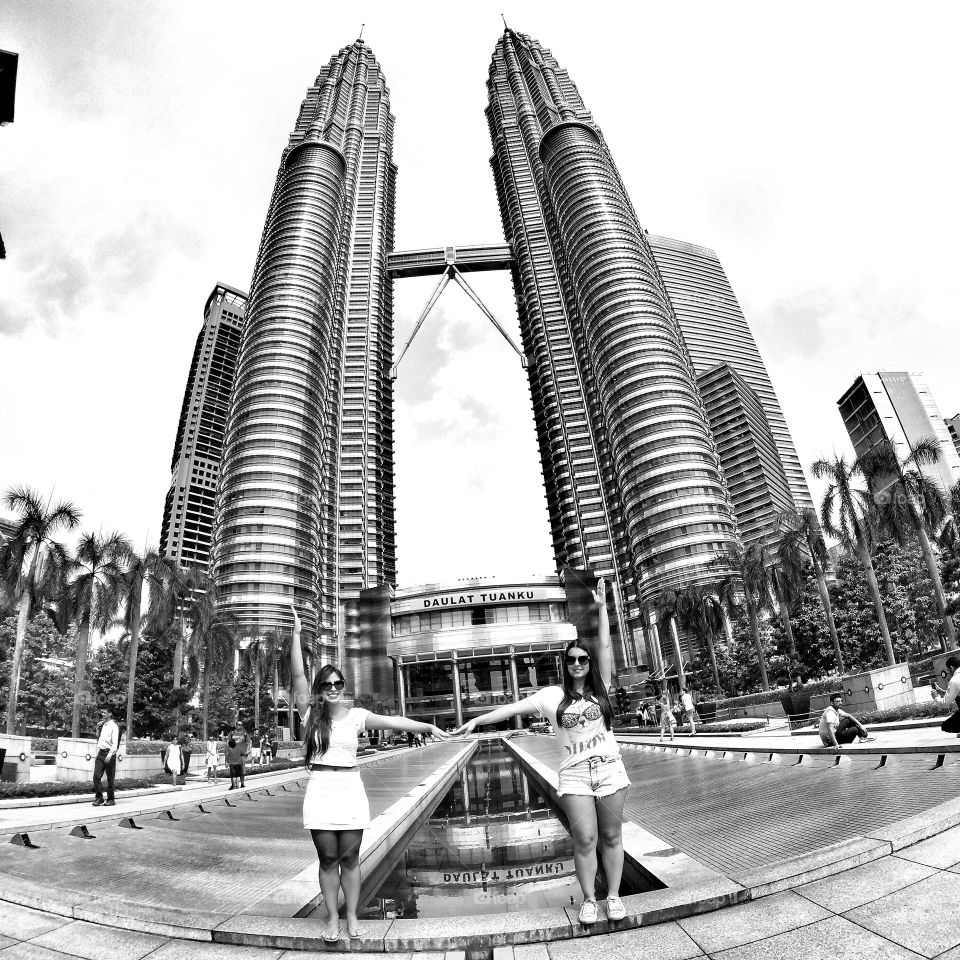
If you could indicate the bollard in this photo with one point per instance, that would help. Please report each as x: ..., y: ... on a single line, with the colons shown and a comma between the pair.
x: 129, y: 824
x: 82, y: 833
x: 23, y: 840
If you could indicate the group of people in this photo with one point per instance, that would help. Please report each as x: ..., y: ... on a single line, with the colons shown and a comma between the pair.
x: 668, y: 719
x: 592, y: 779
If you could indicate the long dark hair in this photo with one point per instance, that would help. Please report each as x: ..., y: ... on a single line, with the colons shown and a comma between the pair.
x: 593, y: 688
x: 318, y: 726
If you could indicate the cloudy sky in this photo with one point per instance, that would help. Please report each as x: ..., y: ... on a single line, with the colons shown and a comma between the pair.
x: 812, y: 145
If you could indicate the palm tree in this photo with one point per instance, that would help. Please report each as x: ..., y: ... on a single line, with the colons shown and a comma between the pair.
x: 213, y: 640
x: 786, y: 578
x: 92, y: 599
x: 801, y: 538
x: 910, y: 503
x: 750, y: 573
x: 141, y: 568
x: 950, y: 533
x: 700, y: 612
x: 174, y: 587
x: 844, y: 515
x: 31, y: 566
x: 256, y: 656
x: 667, y: 605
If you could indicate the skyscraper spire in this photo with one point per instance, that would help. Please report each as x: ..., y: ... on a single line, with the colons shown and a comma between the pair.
x: 305, y: 503
x: 633, y: 480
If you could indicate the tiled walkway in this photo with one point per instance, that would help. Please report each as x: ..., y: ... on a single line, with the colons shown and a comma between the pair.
x: 903, y: 907
x: 259, y: 844
x: 735, y: 815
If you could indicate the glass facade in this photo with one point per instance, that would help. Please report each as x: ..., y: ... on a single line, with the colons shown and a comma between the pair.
x: 305, y: 504
x: 485, y: 650
x: 619, y: 421
x: 188, y: 509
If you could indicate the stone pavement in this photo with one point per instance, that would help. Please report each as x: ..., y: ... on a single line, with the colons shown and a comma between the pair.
x: 856, y: 897
x: 903, y: 906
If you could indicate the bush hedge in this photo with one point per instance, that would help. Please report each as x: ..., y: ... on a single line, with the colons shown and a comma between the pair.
x: 913, y: 711
x: 43, y: 745
x: 726, y: 726
x: 28, y: 791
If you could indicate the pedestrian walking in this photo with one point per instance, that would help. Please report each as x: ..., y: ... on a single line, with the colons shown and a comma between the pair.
x: 105, y: 764
x: 838, y: 727
x: 266, y: 750
x: 233, y: 758
x: 335, y: 807
x: 668, y: 722
x: 689, y: 710
x: 950, y: 695
x: 592, y: 779
x: 175, y: 758
x: 212, y: 759
x: 243, y: 746
x: 642, y: 715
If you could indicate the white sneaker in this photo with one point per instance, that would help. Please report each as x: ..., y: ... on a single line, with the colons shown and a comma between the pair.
x: 588, y: 912
x: 615, y: 908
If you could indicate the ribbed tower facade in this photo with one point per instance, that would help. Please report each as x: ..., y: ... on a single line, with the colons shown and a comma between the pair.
x: 716, y: 331
x: 305, y: 503
x: 633, y: 481
x: 195, y: 468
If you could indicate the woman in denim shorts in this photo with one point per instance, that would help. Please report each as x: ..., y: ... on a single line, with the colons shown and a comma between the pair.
x: 592, y: 779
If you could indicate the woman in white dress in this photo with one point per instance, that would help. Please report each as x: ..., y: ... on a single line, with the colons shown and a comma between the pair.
x: 335, y: 807
x: 592, y: 779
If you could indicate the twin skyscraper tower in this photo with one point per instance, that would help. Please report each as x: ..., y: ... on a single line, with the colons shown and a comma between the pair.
x: 616, y: 327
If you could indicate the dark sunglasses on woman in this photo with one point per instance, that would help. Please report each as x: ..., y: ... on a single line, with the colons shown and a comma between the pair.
x: 331, y: 685
x: 579, y: 661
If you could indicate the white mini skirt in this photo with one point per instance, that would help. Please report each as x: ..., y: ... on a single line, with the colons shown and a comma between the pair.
x: 335, y: 800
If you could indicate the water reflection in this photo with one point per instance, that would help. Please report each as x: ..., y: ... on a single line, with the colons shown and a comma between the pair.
x: 493, y: 844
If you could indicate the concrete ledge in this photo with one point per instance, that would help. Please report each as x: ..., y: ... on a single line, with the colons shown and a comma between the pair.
x: 921, y: 826
x: 166, y: 921
x: 742, y: 751
x: 813, y: 866
x: 492, y: 930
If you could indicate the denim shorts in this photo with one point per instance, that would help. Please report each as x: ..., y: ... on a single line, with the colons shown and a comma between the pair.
x: 593, y: 777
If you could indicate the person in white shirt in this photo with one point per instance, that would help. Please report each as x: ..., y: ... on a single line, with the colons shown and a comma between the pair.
x: 689, y: 710
x: 668, y: 722
x: 592, y: 780
x: 108, y: 743
x: 838, y: 727
x: 950, y: 695
x: 335, y: 807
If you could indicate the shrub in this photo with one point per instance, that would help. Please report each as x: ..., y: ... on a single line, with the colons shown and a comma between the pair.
x: 26, y: 791
x: 912, y: 711
x: 43, y: 745
x: 727, y: 726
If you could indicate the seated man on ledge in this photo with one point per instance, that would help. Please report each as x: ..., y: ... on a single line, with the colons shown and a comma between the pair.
x: 838, y: 727
x: 950, y: 695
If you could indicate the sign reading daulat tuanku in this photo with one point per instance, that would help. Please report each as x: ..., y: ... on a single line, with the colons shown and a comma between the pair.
x: 482, y: 597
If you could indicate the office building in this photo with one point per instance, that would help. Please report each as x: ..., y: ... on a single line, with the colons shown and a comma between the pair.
x: 305, y: 504
x: 953, y: 428
x: 897, y: 406
x: 633, y: 483
x: 462, y: 648
x: 188, y: 509
x: 715, y: 331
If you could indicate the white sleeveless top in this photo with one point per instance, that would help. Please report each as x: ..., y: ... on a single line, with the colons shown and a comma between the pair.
x: 342, y: 751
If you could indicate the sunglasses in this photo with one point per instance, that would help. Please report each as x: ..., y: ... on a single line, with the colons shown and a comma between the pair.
x: 579, y: 661
x: 331, y: 685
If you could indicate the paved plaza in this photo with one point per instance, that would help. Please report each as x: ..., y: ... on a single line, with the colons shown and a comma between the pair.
x: 814, y: 858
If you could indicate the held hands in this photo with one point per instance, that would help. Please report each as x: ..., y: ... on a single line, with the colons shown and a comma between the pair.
x: 468, y: 727
x: 437, y: 733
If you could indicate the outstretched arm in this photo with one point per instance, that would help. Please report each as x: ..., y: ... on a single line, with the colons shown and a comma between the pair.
x: 301, y: 688
x: 376, y: 721
x: 604, y: 647
x: 522, y: 707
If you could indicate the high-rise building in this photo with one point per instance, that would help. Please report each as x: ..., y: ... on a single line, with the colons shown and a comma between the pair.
x: 953, y: 428
x: 305, y: 504
x: 188, y: 508
x: 716, y: 331
x: 751, y: 463
x: 633, y: 483
x: 897, y: 406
